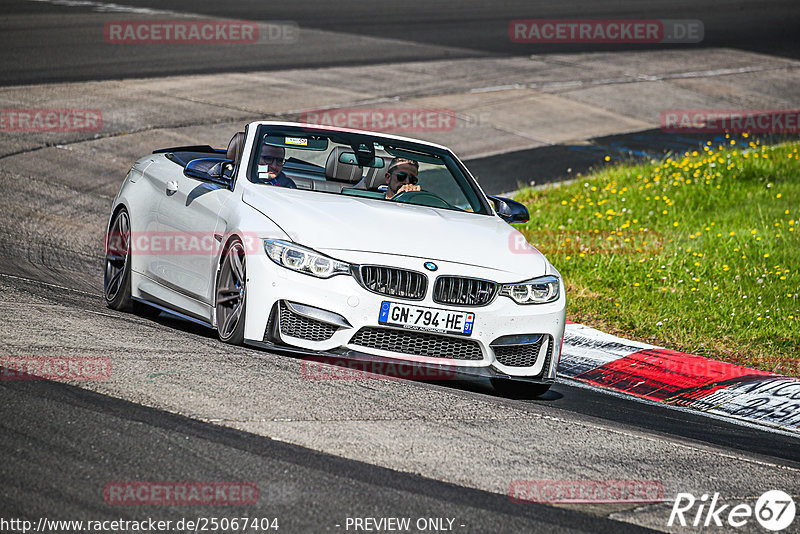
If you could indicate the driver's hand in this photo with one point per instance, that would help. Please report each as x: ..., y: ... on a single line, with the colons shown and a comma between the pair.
x: 408, y: 187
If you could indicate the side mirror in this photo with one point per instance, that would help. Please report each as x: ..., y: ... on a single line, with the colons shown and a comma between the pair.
x: 209, y: 170
x: 509, y: 210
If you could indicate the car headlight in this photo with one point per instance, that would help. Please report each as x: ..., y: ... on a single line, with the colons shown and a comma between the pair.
x: 303, y: 260
x: 536, y: 291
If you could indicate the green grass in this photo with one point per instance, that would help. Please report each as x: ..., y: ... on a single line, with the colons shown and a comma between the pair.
x: 697, y: 253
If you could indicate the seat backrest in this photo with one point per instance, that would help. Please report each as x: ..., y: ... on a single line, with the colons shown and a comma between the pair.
x: 337, y: 171
x: 374, y: 178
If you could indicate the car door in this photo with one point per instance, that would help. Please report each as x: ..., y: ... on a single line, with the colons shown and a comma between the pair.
x: 188, y: 220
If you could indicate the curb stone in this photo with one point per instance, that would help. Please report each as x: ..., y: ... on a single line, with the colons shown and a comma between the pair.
x: 680, y: 379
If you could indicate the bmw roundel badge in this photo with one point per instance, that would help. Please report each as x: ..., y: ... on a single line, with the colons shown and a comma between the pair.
x: 430, y: 266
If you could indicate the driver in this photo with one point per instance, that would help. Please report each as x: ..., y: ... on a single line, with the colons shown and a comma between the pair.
x: 401, y: 176
x: 273, y: 157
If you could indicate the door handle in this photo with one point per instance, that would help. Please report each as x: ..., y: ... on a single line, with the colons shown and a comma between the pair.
x: 172, y: 187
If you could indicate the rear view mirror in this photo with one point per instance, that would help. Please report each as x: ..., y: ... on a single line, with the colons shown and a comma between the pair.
x: 350, y: 158
x: 509, y: 210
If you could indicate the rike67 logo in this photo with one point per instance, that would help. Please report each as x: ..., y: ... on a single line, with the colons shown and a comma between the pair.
x: 774, y: 510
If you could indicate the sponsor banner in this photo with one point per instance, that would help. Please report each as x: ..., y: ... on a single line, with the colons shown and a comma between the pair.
x: 769, y: 400
x: 768, y: 121
x: 54, y: 368
x: 600, y: 31
x: 586, y: 491
x: 24, y: 120
x: 332, y: 368
x: 137, y: 493
x: 383, y: 119
x: 175, y: 243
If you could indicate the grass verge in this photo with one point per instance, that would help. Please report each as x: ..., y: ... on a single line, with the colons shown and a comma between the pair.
x: 699, y: 253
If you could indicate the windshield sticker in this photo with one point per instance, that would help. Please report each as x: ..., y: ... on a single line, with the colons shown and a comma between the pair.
x: 299, y: 141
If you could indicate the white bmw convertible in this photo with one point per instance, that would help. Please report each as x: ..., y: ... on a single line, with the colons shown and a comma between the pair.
x: 341, y: 243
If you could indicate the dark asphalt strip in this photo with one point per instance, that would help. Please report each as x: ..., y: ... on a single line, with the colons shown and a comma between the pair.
x: 72, y: 47
x: 627, y: 413
x: 61, y: 444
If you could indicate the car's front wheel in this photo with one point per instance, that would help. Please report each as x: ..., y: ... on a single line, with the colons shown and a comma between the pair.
x: 518, y: 389
x: 232, y: 294
x: 117, y: 280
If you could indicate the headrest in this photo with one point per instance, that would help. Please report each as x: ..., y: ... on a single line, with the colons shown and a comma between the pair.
x: 337, y: 171
x: 235, y: 147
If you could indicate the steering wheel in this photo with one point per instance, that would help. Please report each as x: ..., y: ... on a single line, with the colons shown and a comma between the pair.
x: 422, y: 198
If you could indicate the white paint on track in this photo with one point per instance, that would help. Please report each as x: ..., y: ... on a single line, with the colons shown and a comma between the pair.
x: 107, y: 7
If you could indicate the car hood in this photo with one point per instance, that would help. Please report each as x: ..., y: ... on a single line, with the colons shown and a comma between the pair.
x: 330, y: 222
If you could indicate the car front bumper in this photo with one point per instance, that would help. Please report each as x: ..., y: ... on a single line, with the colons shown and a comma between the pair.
x: 346, y: 323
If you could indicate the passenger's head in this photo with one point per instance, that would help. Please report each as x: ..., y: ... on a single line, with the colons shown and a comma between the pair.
x: 401, y: 171
x: 273, y: 157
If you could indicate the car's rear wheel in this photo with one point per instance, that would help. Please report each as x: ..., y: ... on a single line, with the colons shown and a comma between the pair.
x: 518, y: 389
x: 117, y: 280
x: 232, y: 294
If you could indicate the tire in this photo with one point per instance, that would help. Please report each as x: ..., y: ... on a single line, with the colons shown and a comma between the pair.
x: 117, y: 278
x: 518, y: 389
x: 231, y: 295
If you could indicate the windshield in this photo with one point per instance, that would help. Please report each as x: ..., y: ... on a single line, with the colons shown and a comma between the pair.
x: 381, y: 169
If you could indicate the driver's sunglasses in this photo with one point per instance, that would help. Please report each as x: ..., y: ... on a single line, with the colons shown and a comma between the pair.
x: 403, y: 176
x: 269, y: 160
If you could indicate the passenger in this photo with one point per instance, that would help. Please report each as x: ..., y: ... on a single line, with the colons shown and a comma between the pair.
x: 401, y: 176
x: 273, y: 157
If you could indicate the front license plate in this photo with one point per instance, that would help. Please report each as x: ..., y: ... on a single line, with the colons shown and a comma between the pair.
x: 426, y: 319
